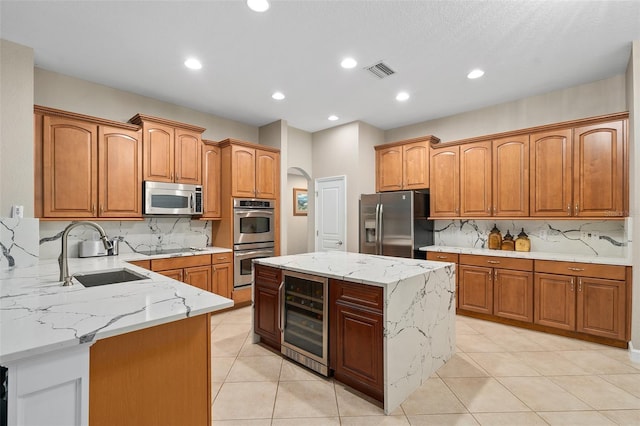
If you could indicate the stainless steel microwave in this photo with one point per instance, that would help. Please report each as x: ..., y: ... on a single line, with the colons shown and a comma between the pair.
x: 178, y: 199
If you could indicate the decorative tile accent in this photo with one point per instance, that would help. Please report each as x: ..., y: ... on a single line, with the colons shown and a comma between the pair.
x: 18, y: 242
x: 150, y: 234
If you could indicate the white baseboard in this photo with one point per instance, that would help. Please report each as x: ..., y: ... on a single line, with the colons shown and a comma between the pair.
x: 634, y: 354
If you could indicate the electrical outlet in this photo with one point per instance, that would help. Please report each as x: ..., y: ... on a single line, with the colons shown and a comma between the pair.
x: 17, y: 211
x: 544, y: 235
x: 584, y: 235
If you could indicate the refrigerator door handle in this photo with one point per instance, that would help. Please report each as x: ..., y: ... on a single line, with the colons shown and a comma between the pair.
x: 379, y: 230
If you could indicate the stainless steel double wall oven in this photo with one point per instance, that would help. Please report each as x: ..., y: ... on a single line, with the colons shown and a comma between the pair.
x: 253, y: 236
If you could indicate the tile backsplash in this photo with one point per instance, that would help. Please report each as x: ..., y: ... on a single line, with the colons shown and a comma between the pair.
x: 150, y: 234
x: 607, y: 238
x: 18, y: 242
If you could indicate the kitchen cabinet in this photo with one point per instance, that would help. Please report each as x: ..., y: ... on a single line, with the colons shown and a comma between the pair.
x: 222, y: 282
x: 356, y: 336
x: 403, y: 165
x: 267, y: 282
x: 172, y: 150
x: 193, y: 270
x: 451, y: 258
x: 211, y: 181
x: 580, y: 172
x: 497, y: 286
x: 494, y: 177
x: 445, y: 182
x: 86, y: 167
x: 255, y: 172
x: 586, y: 298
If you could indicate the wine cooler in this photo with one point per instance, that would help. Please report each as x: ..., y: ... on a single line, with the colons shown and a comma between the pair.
x: 304, y: 319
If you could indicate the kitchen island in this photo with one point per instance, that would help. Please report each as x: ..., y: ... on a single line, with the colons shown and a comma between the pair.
x: 417, y: 312
x: 134, y: 352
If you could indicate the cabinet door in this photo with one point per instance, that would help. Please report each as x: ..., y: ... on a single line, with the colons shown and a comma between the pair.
x: 70, y: 168
x: 267, y: 304
x: 359, y: 350
x: 554, y: 301
x: 389, y: 169
x: 444, y: 181
x: 601, y: 307
x: 211, y: 181
x: 120, y: 172
x: 176, y: 274
x: 198, y: 276
x: 267, y: 174
x: 511, y: 176
x: 188, y: 151
x: 222, y: 282
x: 513, y: 294
x: 158, y: 152
x: 476, y: 289
x: 551, y: 176
x: 415, y: 165
x: 243, y: 170
x: 599, y: 170
x: 475, y: 179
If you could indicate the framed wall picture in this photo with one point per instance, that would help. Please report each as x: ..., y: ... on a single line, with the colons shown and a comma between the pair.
x: 300, y: 202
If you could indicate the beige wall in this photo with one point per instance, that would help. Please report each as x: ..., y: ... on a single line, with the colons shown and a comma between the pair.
x: 16, y: 128
x: 368, y: 137
x: 587, y: 100
x: 72, y: 94
x: 297, y: 226
x: 633, y: 101
x: 299, y: 154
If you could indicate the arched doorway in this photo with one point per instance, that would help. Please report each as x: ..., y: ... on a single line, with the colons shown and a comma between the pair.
x: 298, y: 219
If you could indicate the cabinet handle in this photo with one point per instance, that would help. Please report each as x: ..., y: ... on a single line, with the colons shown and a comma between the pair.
x: 441, y: 257
x: 93, y: 209
x: 575, y: 269
x: 495, y: 274
x: 493, y: 262
x: 568, y: 209
x: 456, y: 210
x: 572, y: 284
x: 489, y: 210
x: 579, y: 284
x: 577, y: 209
x: 280, y: 306
x: 101, y: 210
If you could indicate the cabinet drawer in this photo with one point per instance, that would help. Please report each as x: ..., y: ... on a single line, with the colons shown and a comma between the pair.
x: 497, y: 262
x: 146, y: 264
x: 180, y: 262
x: 361, y: 295
x: 266, y: 276
x: 222, y: 258
x: 442, y: 257
x: 611, y: 272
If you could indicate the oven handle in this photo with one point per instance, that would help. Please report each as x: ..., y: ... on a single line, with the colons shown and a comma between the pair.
x: 281, y: 306
x: 252, y: 253
x: 261, y: 212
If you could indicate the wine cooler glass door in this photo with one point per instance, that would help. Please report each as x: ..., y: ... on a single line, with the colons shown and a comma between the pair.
x: 305, y: 316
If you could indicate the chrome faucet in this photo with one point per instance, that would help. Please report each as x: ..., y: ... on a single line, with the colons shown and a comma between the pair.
x: 62, y: 259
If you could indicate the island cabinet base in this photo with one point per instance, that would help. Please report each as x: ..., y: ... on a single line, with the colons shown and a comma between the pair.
x: 156, y: 376
x: 356, y: 333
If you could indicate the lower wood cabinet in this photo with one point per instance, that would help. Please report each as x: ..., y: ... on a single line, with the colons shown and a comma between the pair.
x: 513, y: 294
x: 266, y: 316
x: 476, y: 290
x: 193, y: 270
x: 222, y: 282
x: 356, y: 336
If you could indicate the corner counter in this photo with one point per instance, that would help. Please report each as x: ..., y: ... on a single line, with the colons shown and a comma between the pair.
x: 418, y: 311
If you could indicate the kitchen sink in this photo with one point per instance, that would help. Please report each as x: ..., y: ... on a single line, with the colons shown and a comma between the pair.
x: 113, y: 276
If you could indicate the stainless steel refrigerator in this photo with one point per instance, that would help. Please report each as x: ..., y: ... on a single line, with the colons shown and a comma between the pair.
x: 395, y: 223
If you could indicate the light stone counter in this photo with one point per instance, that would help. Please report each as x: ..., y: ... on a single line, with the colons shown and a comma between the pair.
x: 38, y: 315
x: 536, y: 255
x: 419, y: 310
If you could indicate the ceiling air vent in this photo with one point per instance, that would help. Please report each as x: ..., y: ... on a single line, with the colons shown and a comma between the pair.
x: 380, y: 70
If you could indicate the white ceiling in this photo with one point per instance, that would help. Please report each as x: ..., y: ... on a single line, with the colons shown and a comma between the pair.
x: 525, y: 47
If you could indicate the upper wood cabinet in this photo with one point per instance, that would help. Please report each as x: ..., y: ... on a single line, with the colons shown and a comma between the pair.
x: 475, y: 179
x: 403, y: 165
x: 211, y: 180
x: 511, y: 176
x: 580, y: 172
x: 172, y: 150
x: 86, y: 167
x: 444, y: 177
x: 254, y: 171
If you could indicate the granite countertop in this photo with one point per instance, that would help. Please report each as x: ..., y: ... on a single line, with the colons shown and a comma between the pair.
x: 355, y: 267
x: 38, y: 315
x: 565, y: 257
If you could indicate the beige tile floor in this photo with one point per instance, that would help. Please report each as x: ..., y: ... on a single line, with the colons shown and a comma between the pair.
x: 500, y: 375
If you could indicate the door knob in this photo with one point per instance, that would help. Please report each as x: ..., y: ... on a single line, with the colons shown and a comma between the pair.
x: 339, y: 243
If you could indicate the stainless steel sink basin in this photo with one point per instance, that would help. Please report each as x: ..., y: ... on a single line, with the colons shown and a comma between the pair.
x: 109, y: 277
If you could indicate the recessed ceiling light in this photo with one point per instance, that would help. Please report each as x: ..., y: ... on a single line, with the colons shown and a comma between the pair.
x: 333, y: 117
x: 278, y: 96
x: 402, y: 96
x: 193, y: 63
x: 258, y: 5
x: 477, y: 73
x: 348, y: 63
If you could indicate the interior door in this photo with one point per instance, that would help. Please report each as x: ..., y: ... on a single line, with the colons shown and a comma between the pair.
x: 331, y: 214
